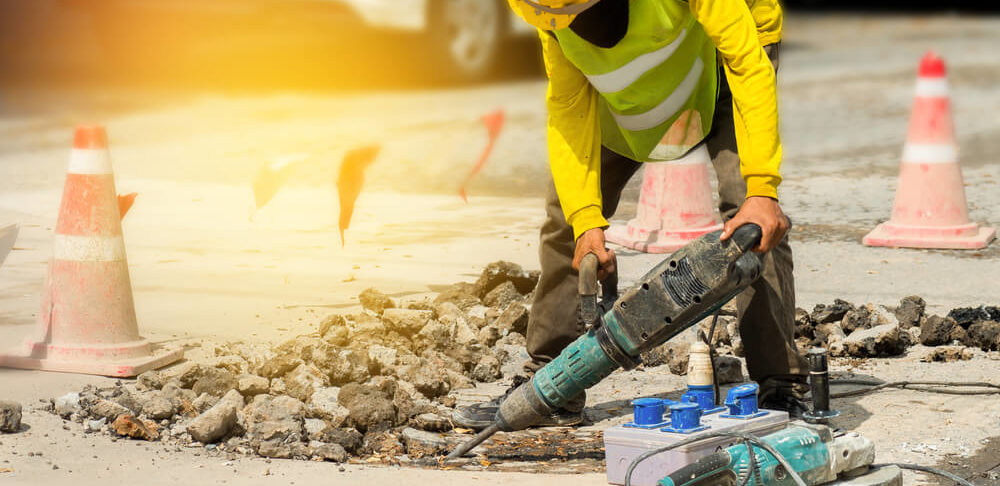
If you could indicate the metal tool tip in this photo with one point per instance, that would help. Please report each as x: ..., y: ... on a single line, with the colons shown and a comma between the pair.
x: 473, y: 442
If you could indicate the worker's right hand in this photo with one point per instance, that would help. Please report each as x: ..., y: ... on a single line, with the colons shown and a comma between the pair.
x: 592, y: 241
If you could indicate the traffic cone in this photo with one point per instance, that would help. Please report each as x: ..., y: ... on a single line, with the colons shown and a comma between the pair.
x: 675, y: 206
x: 87, y: 323
x: 930, y: 210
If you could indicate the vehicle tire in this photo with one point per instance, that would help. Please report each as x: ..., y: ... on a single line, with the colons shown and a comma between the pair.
x: 466, y: 37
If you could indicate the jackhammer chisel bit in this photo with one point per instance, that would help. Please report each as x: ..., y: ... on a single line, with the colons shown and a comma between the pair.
x: 685, y: 288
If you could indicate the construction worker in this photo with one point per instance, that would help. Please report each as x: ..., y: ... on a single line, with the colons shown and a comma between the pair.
x: 635, y: 81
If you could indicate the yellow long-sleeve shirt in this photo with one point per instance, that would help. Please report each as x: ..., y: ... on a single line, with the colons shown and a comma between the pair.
x: 739, y: 30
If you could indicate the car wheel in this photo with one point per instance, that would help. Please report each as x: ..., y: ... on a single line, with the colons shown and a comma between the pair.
x: 466, y: 36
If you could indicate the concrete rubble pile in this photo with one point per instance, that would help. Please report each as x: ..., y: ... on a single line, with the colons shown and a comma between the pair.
x: 378, y: 384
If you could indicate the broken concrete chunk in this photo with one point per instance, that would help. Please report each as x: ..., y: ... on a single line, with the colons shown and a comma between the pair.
x: 107, y: 409
x: 967, y: 316
x: 461, y: 295
x: 252, y: 385
x: 984, y: 335
x: 186, y: 373
x: 327, y: 452
x: 936, y: 330
x: 513, y: 319
x: 150, y: 380
x: 948, y: 354
x: 910, y: 311
x: 803, y: 324
x: 487, y: 370
x: 502, y: 295
x: 10, y: 416
x: 375, y: 301
x: 879, y: 341
x: 498, y: 272
x: 370, y: 407
x: 134, y: 428
x: 346, y: 366
x: 324, y: 404
x: 835, y: 312
x: 158, y: 407
x: 315, y: 428
x: 381, y: 360
x: 304, y: 380
x: 406, y: 321
x: 67, y: 404
x: 278, y: 366
x: 216, y: 382
x: 204, y: 402
x: 348, y: 438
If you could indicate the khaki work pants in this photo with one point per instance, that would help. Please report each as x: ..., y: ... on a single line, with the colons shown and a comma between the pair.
x: 766, y: 311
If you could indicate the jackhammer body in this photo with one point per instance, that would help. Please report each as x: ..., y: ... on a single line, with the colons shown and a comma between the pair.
x: 688, y: 286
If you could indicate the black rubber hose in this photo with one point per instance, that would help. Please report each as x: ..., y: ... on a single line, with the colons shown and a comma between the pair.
x: 917, y: 386
x: 926, y: 469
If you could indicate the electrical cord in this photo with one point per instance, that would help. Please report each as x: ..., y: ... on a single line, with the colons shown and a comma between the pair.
x: 926, y: 386
x: 747, y: 438
x: 931, y: 470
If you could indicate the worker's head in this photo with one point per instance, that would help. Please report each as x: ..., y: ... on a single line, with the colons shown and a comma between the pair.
x: 550, y: 14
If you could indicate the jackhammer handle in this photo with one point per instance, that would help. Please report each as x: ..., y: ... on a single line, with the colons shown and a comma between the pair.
x: 588, y: 288
x: 588, y: 275
x: 747, y: 236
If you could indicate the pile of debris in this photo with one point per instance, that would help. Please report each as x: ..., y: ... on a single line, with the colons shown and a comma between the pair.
x: 372, y: 384
x: 378, y: 384
x: 868, y: 331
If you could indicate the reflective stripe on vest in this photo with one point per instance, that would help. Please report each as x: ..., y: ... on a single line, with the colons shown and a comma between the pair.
x: 657, y: 85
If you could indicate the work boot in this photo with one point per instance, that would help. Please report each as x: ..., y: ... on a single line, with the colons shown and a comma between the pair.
x: 786, y: 394
x: 478, y: 416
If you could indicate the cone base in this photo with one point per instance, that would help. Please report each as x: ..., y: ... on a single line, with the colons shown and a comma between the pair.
x: 115, y: 367
x: 964, y: 237
x: 655, y: 241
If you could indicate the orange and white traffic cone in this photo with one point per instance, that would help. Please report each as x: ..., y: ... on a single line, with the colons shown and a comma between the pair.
x: 675, y: 206
x: 87, y: 323
x: 930, y: 210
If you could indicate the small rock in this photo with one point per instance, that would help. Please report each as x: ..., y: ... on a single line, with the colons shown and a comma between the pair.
x: 435, y: 335
x: 823, y: 314
x: 10, y: 416
x: 231, y: 363
x: 252, y: 385
x: 150, y: 380
x: 327, y: 452
x: 346, y: 366
x: 728, y: 369
x: 158, y: 407
x: 461, y: 295
x: 216, y: 382
x: 502, y: 295
x: 375, y: 301
x: 275, y: 448
x: 828, y: 333
x: 936, y: 330
x: 67, y: 404
x: 432, y: 422
x: 107, y: 409
x: 857, y: 318
x: 513, y: 319
x: 879, y: 341
x: 303, y: 381
x: 324, y: 404
x: 96, y: 425
x: 487, y: 370
x: 216, y: 422
x: 129, y: 426
x: 420, y: 443
x: 186, y: 373
x: 910, y: 311
x: 406, y: 321
x: 204, y: 402
x: 370, y: 408
x: 430, y: 381
x: 984, y: 335
x: 949, y: 353
x: 498, y: 272
x: 348, y: 438
x: 967, y: 316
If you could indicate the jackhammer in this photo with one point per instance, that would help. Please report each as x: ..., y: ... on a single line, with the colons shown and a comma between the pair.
x: 691, y: 284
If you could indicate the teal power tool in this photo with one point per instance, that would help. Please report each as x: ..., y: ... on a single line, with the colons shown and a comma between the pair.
x: 688, y: 286
x: 813, y: 451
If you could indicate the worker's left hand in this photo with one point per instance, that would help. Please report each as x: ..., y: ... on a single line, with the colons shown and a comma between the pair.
x: 764, y: 212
